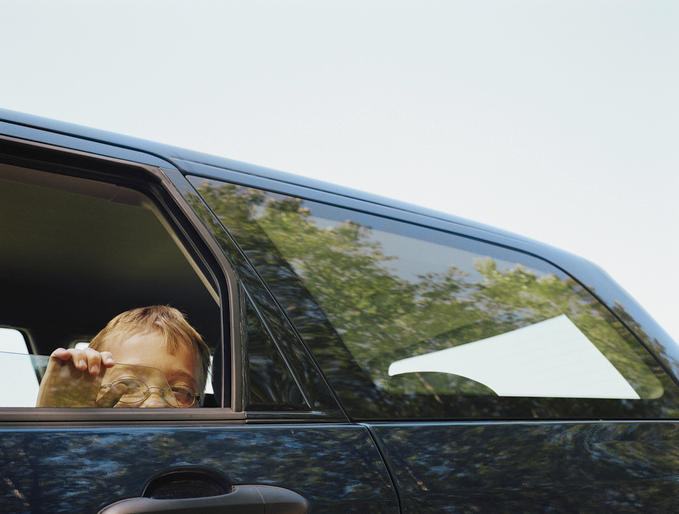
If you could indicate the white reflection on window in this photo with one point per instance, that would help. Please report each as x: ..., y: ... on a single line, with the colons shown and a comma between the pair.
x: 552, y: 358
x: 18, y: 381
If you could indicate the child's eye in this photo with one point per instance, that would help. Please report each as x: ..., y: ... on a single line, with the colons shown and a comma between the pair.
x: 185, y: 397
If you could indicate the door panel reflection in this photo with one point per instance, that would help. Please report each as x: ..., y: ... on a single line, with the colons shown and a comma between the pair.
x: 579, y: 466
x: 338, y: 469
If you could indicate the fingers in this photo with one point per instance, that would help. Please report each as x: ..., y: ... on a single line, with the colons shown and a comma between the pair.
x: 85, y: 359
x: 61, y: 353
x: 107, y: 359
x: 112, y: 395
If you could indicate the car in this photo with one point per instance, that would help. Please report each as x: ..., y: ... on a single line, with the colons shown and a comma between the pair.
x: 367, y: 355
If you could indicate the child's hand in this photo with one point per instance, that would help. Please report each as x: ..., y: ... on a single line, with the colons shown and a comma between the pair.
x: 85, y: 359
x: 73, y: 379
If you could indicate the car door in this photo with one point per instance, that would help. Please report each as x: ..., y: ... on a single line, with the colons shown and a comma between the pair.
x: 491, y: 378
x: 274, y: 433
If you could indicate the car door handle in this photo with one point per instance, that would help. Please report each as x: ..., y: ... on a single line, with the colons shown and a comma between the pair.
x: 243, y: 499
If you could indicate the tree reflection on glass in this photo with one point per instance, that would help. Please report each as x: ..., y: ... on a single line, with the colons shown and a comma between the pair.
x: 365, y: 292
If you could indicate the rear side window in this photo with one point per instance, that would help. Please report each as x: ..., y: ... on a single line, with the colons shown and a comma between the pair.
x: 409, y: 322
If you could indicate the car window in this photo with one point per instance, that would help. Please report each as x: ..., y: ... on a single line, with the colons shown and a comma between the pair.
x: 76, y: 253
x: 412, y: 322
x: 269, y: 383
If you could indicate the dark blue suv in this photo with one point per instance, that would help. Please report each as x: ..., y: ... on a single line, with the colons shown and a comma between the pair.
x: 367, y: 355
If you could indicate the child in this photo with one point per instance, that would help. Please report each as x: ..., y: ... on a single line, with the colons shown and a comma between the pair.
x: 144, y: 357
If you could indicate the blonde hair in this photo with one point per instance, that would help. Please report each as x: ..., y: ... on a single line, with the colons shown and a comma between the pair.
x: 167, y: 320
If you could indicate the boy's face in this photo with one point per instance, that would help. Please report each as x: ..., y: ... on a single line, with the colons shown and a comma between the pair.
x: 180, y: 369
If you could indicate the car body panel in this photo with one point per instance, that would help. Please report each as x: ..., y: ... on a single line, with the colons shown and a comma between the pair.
x: 533, y: 466
x: 83, y: 469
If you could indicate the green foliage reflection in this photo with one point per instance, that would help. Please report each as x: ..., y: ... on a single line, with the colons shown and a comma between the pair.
x: 385, y: 307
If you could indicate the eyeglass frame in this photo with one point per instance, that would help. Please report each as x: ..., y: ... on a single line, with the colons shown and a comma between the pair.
x: 148, y: 392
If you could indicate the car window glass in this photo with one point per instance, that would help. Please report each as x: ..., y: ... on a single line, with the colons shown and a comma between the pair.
x: 269, y: 383
x: 34, y: 380
x: 79, y: 345
x: 425, y: 323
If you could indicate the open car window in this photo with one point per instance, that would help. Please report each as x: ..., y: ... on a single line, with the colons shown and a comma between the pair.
x: 77, y: 252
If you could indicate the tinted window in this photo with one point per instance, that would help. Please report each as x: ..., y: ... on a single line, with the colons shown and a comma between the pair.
x: 269, y: 383
x: 411, y: 322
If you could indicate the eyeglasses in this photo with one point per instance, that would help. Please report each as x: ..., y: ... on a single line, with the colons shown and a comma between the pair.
x: 136, y: 391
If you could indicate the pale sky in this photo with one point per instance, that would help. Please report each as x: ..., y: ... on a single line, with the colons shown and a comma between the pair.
x: 554, y: 120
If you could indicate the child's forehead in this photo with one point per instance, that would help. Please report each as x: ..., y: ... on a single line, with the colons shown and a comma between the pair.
x: 147, y: 339
x: 175, y: 359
